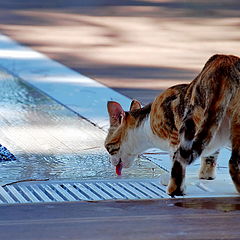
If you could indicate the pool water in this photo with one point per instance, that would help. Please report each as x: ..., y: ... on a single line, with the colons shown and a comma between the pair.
x: 51, y: 141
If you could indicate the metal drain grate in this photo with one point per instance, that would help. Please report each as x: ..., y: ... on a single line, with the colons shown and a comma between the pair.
x: 81, y: 191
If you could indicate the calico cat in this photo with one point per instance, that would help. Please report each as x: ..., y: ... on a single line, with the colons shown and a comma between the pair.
x: 130, y: 133
x: 188, y: 120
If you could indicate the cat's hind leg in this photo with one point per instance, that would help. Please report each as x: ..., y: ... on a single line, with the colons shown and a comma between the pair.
x: 176, y: 185
x: 234, y: 162
x: 234, y: 169
x: 208, y: 167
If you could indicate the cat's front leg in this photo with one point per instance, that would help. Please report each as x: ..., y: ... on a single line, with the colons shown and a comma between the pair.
x: 176, y: 185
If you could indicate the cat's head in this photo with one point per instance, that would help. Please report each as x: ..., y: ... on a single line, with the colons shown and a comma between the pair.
x: 118, y: 141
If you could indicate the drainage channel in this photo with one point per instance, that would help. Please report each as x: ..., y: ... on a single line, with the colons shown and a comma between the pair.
x: 56, y: 191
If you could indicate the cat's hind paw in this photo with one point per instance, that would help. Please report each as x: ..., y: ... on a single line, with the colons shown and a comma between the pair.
x: 207, y: 175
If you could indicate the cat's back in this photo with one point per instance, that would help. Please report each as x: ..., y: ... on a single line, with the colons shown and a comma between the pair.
x: 167, y: 111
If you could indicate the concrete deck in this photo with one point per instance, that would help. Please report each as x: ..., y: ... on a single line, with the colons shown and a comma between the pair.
x: 195, y: 219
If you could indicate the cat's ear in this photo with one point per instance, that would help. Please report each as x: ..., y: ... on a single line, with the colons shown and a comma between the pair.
x: 135, y: 105
x: 116, y: 113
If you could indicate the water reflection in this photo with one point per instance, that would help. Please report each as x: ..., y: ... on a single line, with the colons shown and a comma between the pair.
x: 89, y: 165
x: 212, y: 204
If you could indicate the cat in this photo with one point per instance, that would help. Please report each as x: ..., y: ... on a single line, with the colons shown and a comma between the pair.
x: 155, y: 125
x: 178, y: 121
x: 130, y: 133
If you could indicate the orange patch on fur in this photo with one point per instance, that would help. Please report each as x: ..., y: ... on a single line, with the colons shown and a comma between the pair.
x: 172, y: 186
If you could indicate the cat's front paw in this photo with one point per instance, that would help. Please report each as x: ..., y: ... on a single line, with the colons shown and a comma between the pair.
x: 175, y: 190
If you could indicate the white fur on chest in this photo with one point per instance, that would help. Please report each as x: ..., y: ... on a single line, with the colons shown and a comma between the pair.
x: 142, y: 138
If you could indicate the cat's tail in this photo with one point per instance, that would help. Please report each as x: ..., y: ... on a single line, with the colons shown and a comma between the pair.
x: 213, y: 89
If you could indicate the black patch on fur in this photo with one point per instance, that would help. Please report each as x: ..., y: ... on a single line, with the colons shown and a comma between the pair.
x: 190, y: 129
x: 177, y: 175
x: 181, y: 106
x: 237, y: 65
x: 235, y: 72
x: 235, y: 159
x: 200, y: 97
x: 209, y: 162
x: 197, y: 147
x: 181, y: 88
x: 211, y: 59
x: 168, y: 113
x: 184, y: 153
x: 141, y: 113
x: 222, y: 71
x: 112, y: 150
x: 210, y: 178
x: 234, y: 168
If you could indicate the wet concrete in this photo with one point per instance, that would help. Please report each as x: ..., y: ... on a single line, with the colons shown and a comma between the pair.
x: 155, y: 219
x: 50, y: 141
x: 204, y: 204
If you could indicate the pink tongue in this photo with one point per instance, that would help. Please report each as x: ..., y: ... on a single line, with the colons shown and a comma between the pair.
x: 119, y: 169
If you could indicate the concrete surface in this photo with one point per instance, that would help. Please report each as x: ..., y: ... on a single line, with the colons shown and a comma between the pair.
x: 50, y: 141
x: 195, y: 219
x: 137, y: 47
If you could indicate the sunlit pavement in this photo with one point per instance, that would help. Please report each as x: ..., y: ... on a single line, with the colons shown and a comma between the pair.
x: 135, y: 47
